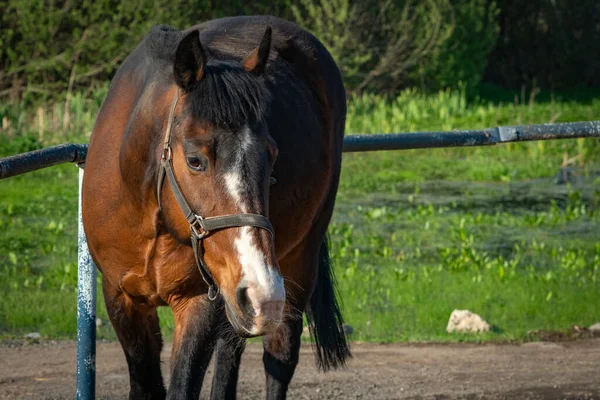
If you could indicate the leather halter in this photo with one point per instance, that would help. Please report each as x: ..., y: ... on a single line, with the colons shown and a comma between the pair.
x: 200, y: 226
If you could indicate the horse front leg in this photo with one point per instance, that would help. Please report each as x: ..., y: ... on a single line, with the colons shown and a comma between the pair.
x: 193, y: 344
x: 138, y: 330
x: 280, y: 358
x: 227, y: 364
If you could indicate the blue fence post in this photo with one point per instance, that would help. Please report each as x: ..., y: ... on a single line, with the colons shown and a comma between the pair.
x: 86, y: 313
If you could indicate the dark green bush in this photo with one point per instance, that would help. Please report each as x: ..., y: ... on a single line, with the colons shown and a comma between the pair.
x: 378, y: 43
x: 463, y: 57
x: 550, y: 44
x: 385, y: 45
x: 19, y: 144
x: 47, y: 45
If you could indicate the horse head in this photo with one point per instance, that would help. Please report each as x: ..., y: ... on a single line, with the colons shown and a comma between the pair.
x: 221, y: 157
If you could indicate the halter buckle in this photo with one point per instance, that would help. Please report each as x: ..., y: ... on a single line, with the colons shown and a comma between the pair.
x: 197, y: 229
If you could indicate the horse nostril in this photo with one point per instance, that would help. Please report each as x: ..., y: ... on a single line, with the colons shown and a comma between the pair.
x: 243, y: 300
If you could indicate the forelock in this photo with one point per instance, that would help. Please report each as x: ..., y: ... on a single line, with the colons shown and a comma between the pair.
x: 228, y: 96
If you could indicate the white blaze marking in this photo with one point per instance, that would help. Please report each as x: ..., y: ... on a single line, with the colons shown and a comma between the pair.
x: 254, y: 265
x: 233, y: 181
x: 253, y: 260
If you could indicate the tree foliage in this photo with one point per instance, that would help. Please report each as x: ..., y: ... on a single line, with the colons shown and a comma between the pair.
x: 49, y: 47
x: 552, y: 44
x: 462, y: 58
x: 377, y: 43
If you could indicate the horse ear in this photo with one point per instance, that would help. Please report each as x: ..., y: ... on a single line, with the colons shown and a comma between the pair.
x: 190, y: 60
x: 256, y: 61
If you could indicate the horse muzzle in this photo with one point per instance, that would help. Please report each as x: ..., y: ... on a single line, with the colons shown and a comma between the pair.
x: 258, y: 309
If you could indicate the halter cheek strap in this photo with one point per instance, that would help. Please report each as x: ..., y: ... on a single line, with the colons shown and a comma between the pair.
x: 200, y: 227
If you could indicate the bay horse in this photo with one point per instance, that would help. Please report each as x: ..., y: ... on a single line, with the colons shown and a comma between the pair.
x: 209, y: 184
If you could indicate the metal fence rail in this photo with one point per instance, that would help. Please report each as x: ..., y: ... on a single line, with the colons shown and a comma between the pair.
x: 76, y: 153
x: 43, y: 158
x: 484, y: 137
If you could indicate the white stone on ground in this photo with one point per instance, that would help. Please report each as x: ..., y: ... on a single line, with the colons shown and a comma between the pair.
x: 466, y: 321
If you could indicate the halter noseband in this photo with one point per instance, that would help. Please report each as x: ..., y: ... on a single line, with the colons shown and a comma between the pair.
x: 200, y: 227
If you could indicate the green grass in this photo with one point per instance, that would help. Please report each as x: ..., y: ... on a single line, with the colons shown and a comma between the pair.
x: 403, y: 266
x: 415, y: 234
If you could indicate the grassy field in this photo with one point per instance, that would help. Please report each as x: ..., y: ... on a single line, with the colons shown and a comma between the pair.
x: 415, y: 234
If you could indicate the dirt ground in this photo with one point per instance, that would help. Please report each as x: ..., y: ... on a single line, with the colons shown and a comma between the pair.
x: 540, y: 370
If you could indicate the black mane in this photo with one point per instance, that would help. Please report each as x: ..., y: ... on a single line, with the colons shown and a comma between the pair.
x: 227, y: 96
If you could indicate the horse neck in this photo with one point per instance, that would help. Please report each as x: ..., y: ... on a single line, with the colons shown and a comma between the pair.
x: 140, y: 149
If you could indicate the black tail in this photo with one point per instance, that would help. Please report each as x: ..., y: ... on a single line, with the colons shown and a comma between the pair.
x: 325, y: 318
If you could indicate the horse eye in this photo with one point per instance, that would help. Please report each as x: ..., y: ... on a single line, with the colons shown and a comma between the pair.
x: 195, y: 163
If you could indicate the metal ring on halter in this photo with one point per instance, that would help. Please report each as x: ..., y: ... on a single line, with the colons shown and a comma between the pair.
x: 213, y: 292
